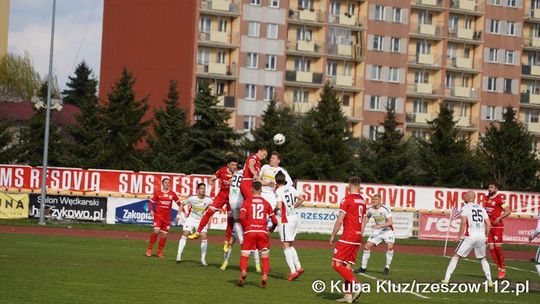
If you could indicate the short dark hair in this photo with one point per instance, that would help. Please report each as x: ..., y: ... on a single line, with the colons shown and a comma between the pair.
x: 200, y: 185
x: 263, y: 149
x: 232, y: 159
x: 494, y: 184
x: 257, y: 186
x: 165, y: 179
x: 354, y: 180
x: 276, y: 154
x: 280, y: 178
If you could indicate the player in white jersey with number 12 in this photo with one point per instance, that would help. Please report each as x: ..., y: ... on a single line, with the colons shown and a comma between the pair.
x: 473, y: 233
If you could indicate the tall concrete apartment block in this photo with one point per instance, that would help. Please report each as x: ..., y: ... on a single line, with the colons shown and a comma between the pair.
x: 474, y: 56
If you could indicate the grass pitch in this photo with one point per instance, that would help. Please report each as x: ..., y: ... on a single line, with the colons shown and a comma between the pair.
x: 57, y: 269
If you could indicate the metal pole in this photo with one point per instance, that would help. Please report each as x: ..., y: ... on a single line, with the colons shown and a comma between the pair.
x: 47, y: 123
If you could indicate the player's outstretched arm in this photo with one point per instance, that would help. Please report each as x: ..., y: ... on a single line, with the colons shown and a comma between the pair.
x: 337, y: 226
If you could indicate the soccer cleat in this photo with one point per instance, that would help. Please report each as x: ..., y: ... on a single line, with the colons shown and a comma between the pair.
x: 203, y: 262
x: 224, y: 266
x: 226, y: 246
x: 444, y: 282
x: 160, y: 255
x: 490, y: 284
x: 360, y: 270
x: 194, y: 236
x: 356, y: 295
x: 178, y: 261
x: 502, y: 273
x: 300, y: 271
x: 258, y: 268
x: 263, y: 281
x: 149, y: 252
x: 293, y: 276
x: 242, y: 279
x: 345, y: 299
x: 386, y: 270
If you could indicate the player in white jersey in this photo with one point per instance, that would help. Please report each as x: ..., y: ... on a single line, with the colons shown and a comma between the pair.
x: 473, y: 233
x: 534, y: 234
x: 198, y: 203
x: 268, y: 178
x: 383, y: 230
x: 288, y: 199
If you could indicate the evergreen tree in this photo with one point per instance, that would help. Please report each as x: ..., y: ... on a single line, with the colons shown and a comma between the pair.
x: 447, y: 159
x: 124, y: 128
x: 167, y: 148
x: 211, y: 139
x: 326, y: 149
x: 7, y: 149
x: 88, y: 134
x: 508, y: 156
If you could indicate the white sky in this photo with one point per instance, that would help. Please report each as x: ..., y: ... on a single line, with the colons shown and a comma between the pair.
x: 77, y: 34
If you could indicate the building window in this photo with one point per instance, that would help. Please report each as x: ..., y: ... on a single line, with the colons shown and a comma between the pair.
x: 490, y: 113
x: 300, y: 95
x: 512, y: 3
x: 394, y: 44
x: 493, y: 55
x: 372, y: 132
x: 346, y: 100
x: 205, y: 24
x: 249, y: 123
x: 272, y: 31
x: 305, y: 4
x: 379, y: 12
x: 302, y: 64
x: 495, y: 2
x: 255, y: 2
x: 394, y: 75
x: 419, y: 106
x: 331, y: 68
x: 419, y: 134
x: 509, y: 57
x: 494, y: 26
x: 271, y: 62
x: 421, y: 77
x: 222, y: 25
x: 391, y: 104
x: 252, y: 59
x: 251, y: 92
x: 221, y: 57
x: 511, y: 28
x: 376, y: 72
x: 468, y: 23
x: 254, y: 29
x: 507, y: 86
x: 375, y: 103
x: 492, y: 84
x: 351, y: 9
x: 268, y: 93
x: 303, y: 33
x: 334, y: 8
x: 396, y: 15
x: 274, y: 3
x: 348, y: 69
x: 203, y: 56
x: 378, y: 42
x: 464, y: 110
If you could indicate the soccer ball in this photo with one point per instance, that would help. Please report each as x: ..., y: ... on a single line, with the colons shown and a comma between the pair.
x: 279, y: 139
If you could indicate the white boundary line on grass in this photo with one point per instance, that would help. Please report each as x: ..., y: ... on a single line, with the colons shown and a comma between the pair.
x: 379, y: 280
x: 493, y: 264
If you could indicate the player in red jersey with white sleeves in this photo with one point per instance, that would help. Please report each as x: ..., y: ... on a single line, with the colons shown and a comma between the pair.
x: 252, y: 169
x: 497, y: 210
x: 254, y: 218
x: 224, y: 174
x: 351, y: 213
x: 162, y: 200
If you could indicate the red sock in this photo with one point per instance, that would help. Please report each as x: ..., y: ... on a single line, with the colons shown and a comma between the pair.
x: 228, y: 232
x: 244, y: 263
x: 495, y: 256
x: 153, y: 238
x: 345, y: 272
x: 500, y: 254
x: 205, y: 219
x: 162, y: 242
x: 265, y: 261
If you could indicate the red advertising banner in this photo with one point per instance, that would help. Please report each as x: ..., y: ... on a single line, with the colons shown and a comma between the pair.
x: 435, y: 227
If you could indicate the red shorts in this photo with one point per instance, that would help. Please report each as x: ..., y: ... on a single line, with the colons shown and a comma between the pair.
x: 345, y: 253
x: 496, y: 235
x: 162, y: 222
x: 245, y: 188
x: 256, y: 241
x: 222, y: 199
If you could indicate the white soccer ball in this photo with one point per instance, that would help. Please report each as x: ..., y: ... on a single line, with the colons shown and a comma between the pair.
x: 279, y: 139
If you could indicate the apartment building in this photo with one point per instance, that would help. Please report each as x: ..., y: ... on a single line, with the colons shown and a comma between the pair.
x: 4, y: 25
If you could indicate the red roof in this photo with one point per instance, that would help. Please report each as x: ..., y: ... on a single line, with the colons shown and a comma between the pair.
x: 24, y: 110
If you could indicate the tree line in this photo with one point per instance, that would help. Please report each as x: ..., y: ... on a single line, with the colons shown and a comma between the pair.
x: 114, y: 134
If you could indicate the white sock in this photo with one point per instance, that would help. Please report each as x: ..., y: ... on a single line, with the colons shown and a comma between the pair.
x: 295, y: 258
x: 485, y: 268
x: 289, y: 258
x: 365, y: 258
x: 204, y: 246
x: 237, y: 228
x: 227, y: 254
x: 538, y: 268
x: 256, y: 257
x: 389, y: 256
x: 451, y: 267
x: 181, y: 246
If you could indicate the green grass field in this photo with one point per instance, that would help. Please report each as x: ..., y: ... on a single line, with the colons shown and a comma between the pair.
x: 55, y: 269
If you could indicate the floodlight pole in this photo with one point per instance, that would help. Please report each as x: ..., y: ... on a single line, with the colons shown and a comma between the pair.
x: 47, y: 125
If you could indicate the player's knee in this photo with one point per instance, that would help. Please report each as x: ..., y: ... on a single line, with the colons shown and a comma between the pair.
x: 203, y: 236
x: 265, y: 252
x: 164, y: 234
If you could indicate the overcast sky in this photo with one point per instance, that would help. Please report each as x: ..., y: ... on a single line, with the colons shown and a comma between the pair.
x: 77, y: 37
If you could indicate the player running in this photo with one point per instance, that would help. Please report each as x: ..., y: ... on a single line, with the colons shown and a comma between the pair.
x: 288, y: 199
x: 534, y: 234
x: 383, y: 230
x: 351, y: 213
x: 497, y: 209
x: 224, y: 174
x: 268, y: 180
x: 251, y: 171
x: 198, y: 203
x: 473, y: 233
x: 162, y: 200
x: 254, y: 216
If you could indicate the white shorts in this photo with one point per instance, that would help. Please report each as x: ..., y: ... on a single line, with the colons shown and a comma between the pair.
x: 467, y: 244
x: 192, y: 224
x: 287, y: 231
x: 382, y: 235
x: 236, y: 205
x: 271, y: 198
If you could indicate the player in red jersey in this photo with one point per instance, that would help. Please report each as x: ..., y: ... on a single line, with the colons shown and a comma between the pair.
x: 254, y: 218
x: 163, y: 200
x: 224, y: 174
x: 251, y: 171
x: 352, y: 210
x: 497, y: 210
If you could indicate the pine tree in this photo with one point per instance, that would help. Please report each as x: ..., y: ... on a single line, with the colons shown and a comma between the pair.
x: 446, y: 158
x: 167, y: 148
x: 211, y: 139
x: 508, y: 156
x: 7, y: 149
x: 122, y: 119
x: 326, y: 141
x: 82, y: 87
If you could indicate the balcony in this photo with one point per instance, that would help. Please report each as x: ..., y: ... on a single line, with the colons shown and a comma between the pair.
x: 219, y: 39
x: 226, y: 101
x: 464, y: 35
x: 533, y: 127
x: 530, y: 98
x: 530, y: 71
x: 533, y: 15
x: 423, y: 90
x: 216, y: 70
x: 304, y: 16
x: 221, y: 7
x: 301, y: 107
x: 303, y: 78
x: 418, y: 118
x: 304, y: 47
x: 345, y: 51
x: 469, y: 7
x: 463, y: 64
x: 433, y: 5
x: 429, y: 61
x: 345, y: 20
x: 531, y: 43
x: 462, y: 92
x: 344, y: 82
x: 429, y: 31
x: 465, y: 123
